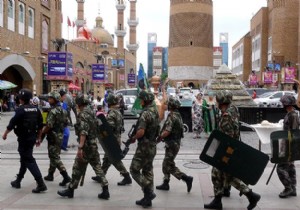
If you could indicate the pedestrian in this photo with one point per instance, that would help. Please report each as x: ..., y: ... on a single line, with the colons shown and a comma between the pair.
x: 121, y: 103
x: 229, y: 126
x: 55, y: 123
x: 27, y: 123
x: 172, y: 133
x: 100, y: 110
x: 64, y: 145
x: 286, y: 171
x: 115, y: 120
x: 209, y: 113
x: 141, y: 167
x: 197, y: 117
x: 87, y: 152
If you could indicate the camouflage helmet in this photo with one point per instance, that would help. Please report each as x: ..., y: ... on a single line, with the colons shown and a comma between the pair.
x: 25, y: 94
x: 151, y: 96
x: 224, y: 97
x: 112, y: 99
x: 144, y: 96
x: 173, y: 103
x: 288, y: 100
x: 54, y: 95
x: 82, y: 100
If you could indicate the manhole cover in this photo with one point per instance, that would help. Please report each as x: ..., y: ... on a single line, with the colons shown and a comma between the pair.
x: 196, y: 164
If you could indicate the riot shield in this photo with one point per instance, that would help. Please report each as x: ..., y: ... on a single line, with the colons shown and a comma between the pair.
x: 234, y: 157
x: 108, y: 141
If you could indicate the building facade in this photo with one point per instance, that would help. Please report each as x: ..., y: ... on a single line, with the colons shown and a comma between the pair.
x: 152, y: 40
x: 224, y: 45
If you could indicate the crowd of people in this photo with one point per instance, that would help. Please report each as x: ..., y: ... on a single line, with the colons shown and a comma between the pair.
x: 27, y: 123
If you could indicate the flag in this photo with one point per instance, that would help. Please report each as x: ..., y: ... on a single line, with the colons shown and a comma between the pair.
x: 69, y: 21
x: 142, y: 84
x: 85, y: 34
x: 73, y: 24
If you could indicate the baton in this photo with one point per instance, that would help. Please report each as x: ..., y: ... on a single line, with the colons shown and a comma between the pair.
x: 271, y: 174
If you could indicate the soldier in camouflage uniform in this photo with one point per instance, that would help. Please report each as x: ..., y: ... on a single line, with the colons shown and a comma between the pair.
x: 85, y: 129
x: 171, y: 133
x: 141, y: 167
x: 286, y: 171
x: 115, y: 120
x: 55, y: 124
x: 229, y: 126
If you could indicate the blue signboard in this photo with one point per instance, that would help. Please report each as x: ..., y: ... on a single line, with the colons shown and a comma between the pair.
x: 98, y: 72
x: 121, y: 63
x: 60, y: 65
x: 114, y: 62
x: 131, y: 79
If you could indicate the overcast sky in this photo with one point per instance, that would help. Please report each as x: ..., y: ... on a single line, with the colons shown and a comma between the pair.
x: 231, y: 16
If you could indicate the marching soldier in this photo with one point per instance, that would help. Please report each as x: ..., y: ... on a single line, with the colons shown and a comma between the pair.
x: 27, y: 123
x: 286, y: 171
x: 87, y: 152
x: 115, y: 120
x: 141, y: 167
x: 54, y: 128
x: 171, y: 133
x: 229, y: 126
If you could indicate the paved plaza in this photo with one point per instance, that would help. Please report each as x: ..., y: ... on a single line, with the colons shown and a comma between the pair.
x: 124, y: 197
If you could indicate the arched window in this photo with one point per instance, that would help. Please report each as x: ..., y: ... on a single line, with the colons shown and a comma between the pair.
x: 45, y: 35
x: 1, y: 13
x: 31, y: 23
x: 21, y: 19
x: 11, y: 15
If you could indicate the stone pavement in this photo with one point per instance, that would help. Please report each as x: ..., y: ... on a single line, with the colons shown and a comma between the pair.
x: 124, y: 197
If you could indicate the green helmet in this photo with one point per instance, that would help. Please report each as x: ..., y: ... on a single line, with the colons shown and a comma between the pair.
x: 151, y: 96
x: 112, y: 99
x: 173, y: 103
x: 224, y: 97
x: 82, y: 100
x: 54, y: 95
x: 144, y: 96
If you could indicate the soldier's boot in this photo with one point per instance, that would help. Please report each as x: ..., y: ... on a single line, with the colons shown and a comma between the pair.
x: 253, y: 199
x: 149, y: 195
x: 189, y: 181
x: 164, y: 186
x: 49, y: 177
x: 216, y: 203
x: 105, y: 193
x: 126, y: 180
x: 294, y: 193
x: 140, y: 202
x: 41, y: 187
x: 17, y: 183
x: 226, y: 191
x: 96, y: 178
x: 288, y: 191
x: 66, y: 179
x: 66, y: 193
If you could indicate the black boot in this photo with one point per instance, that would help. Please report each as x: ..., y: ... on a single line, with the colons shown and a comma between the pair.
x: 164, y: 185
x: 67, y: 192
x: 96, y: 178
x: 215, y: 204
x: 66, y: 179
x: 126, y: 180
x: 140, y: 202
x: 17, y: 183
x: 149, y: 195
x: 105, y: 193
x: 49, y: 177
x: 253, y: 199
x: 287, y: 192
x: 226, y: 191
x: 189, y: 181
x: 41, y: 187
x: 294, y: 193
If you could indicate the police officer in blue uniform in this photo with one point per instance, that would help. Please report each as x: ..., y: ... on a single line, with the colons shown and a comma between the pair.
x: 27, y: 123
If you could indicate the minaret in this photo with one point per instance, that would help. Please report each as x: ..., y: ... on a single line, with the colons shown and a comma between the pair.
x: 191, y: 41
x: 132, y: 22
x: 80, y: 15
x: 120, y: 30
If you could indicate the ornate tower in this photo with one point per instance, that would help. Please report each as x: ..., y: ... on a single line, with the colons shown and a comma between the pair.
x: 120, y: 30
x: 132, y: 22
x: 80, y: 15
x: 191, y: 40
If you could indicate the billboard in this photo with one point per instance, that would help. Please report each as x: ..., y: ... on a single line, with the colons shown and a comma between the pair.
x: 131, y: 79
x: 120, y: 63
x: 98, y: 72
x: 289, y: 74
x: 60, y: 65
x: 268, y: 77
x: 253, y: 79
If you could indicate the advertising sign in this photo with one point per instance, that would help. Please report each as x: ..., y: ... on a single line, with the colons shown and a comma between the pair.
x: 98, y: 72
x: 114, y: 62
x: 131, y: 79
x: 289, y: 74
x: 118, y: 63
x: 253, y: 79
x: 268, y: 77
x: 60, y: 65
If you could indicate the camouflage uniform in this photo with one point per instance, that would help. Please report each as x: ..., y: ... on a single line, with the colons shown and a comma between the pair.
x: 174, y: 126
x: 286, y: 171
